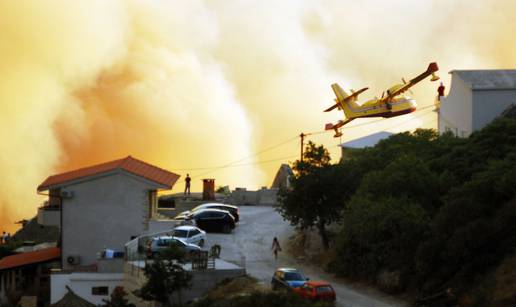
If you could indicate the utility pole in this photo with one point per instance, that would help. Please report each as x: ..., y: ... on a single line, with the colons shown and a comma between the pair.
x: 302, y: 136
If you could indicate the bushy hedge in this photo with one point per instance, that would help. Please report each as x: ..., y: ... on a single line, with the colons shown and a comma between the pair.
x: 261, y: 299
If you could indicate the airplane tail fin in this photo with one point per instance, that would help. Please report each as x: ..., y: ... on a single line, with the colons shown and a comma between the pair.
x: 344, y: 101
x: 339, y: 92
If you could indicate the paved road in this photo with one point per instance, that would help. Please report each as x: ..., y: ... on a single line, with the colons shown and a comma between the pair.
x: 250, y: 244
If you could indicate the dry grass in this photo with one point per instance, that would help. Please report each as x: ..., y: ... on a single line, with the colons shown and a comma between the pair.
x: 505, y: 290
x: 305, y: 246
x: 236, y: 286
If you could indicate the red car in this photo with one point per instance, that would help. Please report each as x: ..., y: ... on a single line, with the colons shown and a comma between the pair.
x: 316, y: 291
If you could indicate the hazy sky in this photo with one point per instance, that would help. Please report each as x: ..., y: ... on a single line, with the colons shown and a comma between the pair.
x: 189, y: 85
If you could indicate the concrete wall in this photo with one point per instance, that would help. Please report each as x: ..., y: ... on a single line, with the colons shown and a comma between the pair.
x: 162, y: 225
x: 202, y: 281
x: 487, y: 105
x: 82, y: 283
x: 267, y: 197
x: 8, y: 283
x: 456, y: 109
x: 263, y: 197
x: 103, y: 213
x: 3, y: 287
x: 49, y: 217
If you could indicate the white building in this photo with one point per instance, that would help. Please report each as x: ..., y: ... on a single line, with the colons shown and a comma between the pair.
x: 476, y: 97
x: 100, y: 208
x: 104, y: 206
x: 92, y: 287
x: 359, y: 143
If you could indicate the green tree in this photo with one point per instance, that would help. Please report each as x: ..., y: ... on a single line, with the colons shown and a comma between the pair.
x: 117, y: 299
x: 165, y: 277
x: 317, y: 192
x: 379, y: 234
x: 314, y: 157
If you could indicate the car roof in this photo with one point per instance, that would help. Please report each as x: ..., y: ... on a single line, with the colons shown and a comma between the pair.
x: 215, y: 204
x: 210, y: 210
x: 186, y: 227
x: 287, y: 270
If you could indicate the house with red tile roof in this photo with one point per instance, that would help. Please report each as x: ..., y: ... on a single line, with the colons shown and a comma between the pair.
x: 103, y: 206
x: 28, y: 273
x: 100, y: 208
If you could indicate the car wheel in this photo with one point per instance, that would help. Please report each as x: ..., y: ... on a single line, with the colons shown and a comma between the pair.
x: 201, y: 243
x: 226, y: 228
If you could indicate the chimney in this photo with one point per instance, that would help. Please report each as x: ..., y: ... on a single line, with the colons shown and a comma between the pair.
x: 208, y: 189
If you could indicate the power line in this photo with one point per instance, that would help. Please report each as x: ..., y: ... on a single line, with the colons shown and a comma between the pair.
x: 420, y: 115
x: 234, y: 163
x: 245, y: 158
x: 361, y: 124
x: 263, y: 162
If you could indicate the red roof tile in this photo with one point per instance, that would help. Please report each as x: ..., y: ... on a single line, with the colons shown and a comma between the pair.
x: 129, y: 164
x: 30, y: 257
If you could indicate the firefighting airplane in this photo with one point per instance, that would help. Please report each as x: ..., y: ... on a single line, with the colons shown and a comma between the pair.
x: 389, y: 105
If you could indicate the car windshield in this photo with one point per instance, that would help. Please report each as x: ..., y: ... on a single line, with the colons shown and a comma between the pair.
x: 294, y: 276
x: 180, y: 233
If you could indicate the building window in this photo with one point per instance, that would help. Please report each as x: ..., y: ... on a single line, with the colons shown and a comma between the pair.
x: 99, y: 291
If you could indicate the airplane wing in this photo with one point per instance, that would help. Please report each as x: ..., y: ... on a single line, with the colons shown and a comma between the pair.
x: 341, y: 99
x: 337, y: 126
x: 432, y: 68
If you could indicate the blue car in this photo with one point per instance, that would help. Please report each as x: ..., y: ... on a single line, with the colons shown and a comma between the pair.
x: 287, y: 278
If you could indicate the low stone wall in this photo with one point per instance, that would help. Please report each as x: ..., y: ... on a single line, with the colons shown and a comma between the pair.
x: 263, y: 197
x: 202, y: 281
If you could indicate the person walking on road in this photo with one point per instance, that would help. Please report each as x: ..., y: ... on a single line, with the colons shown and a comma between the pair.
x: 275, y: 247
x: 187, y: 183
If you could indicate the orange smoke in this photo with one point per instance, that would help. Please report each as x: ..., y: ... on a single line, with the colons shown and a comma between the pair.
x: 196, y: 84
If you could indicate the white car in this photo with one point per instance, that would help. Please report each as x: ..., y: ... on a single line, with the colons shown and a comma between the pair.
x: 190, y: 234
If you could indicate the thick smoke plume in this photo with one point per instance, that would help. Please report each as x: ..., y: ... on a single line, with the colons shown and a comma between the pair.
x: 193, y: 84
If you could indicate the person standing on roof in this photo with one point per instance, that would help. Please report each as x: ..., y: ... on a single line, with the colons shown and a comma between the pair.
x: 187, y: 183
x: 440, y: 91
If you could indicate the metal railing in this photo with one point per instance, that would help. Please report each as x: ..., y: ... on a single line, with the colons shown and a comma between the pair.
x: 137, y: 258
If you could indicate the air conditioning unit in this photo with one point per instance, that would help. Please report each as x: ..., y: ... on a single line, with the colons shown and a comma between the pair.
x: 73, y: 260
x: 66, y: 194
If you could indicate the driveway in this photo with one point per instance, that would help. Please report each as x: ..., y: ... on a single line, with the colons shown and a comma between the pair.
x: 250, y: 245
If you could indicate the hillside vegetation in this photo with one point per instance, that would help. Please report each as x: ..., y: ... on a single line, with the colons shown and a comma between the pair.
x: 419, y: 213
x: 246, y: 292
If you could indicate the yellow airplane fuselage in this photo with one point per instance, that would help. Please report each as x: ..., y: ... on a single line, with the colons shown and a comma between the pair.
x: 377, y: 108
